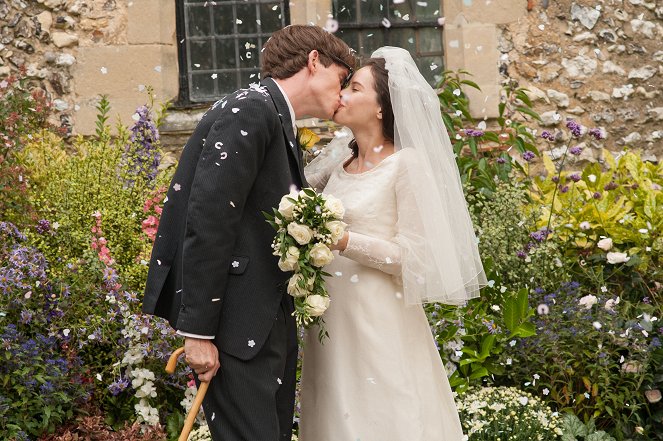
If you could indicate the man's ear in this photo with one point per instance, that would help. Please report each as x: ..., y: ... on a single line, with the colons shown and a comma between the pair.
x: 313, y: 60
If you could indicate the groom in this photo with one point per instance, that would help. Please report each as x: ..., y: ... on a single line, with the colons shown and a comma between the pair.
x: 212, y: 273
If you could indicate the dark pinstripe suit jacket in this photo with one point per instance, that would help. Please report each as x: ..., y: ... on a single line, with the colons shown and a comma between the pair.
x: 212, y: 271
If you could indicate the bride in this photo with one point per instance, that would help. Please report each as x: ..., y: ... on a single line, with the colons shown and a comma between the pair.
x: 379, y: 377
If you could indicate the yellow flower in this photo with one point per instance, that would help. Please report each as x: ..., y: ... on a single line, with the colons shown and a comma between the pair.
x: 306, y: 138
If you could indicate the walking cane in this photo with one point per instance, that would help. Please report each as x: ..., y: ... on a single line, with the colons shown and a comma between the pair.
x: 197, y: 401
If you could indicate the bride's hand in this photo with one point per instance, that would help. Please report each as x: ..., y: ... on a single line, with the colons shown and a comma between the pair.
x: 342, y: 243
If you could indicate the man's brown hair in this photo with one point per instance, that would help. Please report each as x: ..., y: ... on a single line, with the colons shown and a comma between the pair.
x: 286, y: 51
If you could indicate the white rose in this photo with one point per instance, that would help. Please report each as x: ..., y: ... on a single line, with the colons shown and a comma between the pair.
x: 584, y: 225
x: 605, y: 244
x: 321, y: 255
x: 335, y: 206
x: 290, y: 261
x: 337, y: 230
x: 301, y: 233
x: 317, y: 305
x: 294, y: 287
x: 286, y: 206
x: 617, y: 258
x: 588, y: 301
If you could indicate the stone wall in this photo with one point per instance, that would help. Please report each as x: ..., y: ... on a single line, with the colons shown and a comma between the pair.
x: 598, y: 61
x: 79, y: 49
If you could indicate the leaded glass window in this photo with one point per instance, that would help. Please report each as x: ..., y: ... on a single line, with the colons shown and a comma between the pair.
x: 220, y: 44
x: 366, y: 25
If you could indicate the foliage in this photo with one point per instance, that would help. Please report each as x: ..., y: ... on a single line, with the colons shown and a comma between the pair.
x: 574, y: 429
x: 23, y: 111
x: 472, y: 338
x: 589, y: 355
x: 621, y: 203
x: 495, y: 413
x: 40, y: 387
x: 508, y: 235
x: 69, y: 184
x: 483, y: 155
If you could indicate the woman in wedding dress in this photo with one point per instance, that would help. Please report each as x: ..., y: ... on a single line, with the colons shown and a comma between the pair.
x: 409, y: 240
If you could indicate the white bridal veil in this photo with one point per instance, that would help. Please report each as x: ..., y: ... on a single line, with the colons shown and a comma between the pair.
x: 439, y: 252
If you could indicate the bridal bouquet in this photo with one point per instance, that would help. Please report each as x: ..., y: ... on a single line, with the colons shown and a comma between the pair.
x: 306, y: 223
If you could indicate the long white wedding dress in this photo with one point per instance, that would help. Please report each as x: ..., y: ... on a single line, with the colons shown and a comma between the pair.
x: 378, y: 377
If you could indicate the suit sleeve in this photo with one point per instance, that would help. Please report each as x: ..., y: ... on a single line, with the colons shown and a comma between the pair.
x: 232, y: 156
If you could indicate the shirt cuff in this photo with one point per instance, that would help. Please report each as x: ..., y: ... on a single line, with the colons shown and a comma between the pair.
x: 188, y: 334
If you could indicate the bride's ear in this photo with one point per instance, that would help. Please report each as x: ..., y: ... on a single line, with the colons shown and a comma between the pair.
x: 380, y: 113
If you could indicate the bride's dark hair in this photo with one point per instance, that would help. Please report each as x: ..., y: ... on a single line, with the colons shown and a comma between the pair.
x: 381, y: 86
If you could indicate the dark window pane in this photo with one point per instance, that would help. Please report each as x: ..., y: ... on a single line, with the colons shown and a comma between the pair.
x: 223, y: 20
x: 350, y: 36
x: 227, y: 82
x: 249, y: 53
x: 201, y: 54
x: 202, y: 85
x: 225, y: 53
x: 371, y: 12
x: 430, y: 40
x: 431, y: 68
x: 198, y: 21
x: 400, y: 13
x: 371, y: 39
x: 246, y: 19
x: 248, y: 77
x: 428, y: 10
x: 270, y: 19
x: 345, y: 11
x: 403, y: 37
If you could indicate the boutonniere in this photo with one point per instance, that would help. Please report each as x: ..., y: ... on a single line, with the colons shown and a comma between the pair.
x: 306, y: 139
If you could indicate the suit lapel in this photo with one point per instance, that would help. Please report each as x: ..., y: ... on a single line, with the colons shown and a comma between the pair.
x: 286, y: 123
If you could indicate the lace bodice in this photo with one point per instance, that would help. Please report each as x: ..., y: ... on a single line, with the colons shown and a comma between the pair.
x: 376, y: 204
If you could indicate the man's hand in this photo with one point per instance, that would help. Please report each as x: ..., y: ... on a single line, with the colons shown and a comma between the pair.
x: 202, y: 356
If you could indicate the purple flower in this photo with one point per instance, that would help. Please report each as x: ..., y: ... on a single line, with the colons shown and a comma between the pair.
x: 521, y: 254
x: 501, y: 160
x: 555, y: 179
x: 564, y: 189
x: 610, y: 186
x: 528, y: 156
x: 118, y: 386
x: 597, y: 134
x: 540, y: 235
x: 596, y: 195
x: 547, y: 135
x: 474, y: 133
x: 575, y: 150
x: 43, y: 226
x: 574, y: 127
x: 575, y: 177
x: 26, y: 316
x: 141, y: 155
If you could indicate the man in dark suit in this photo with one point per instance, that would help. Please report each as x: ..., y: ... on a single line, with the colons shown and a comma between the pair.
x: 212, y: 272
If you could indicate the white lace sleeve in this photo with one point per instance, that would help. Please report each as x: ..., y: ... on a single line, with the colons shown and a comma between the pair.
x: 380, y: 254
x: 332, y: 155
